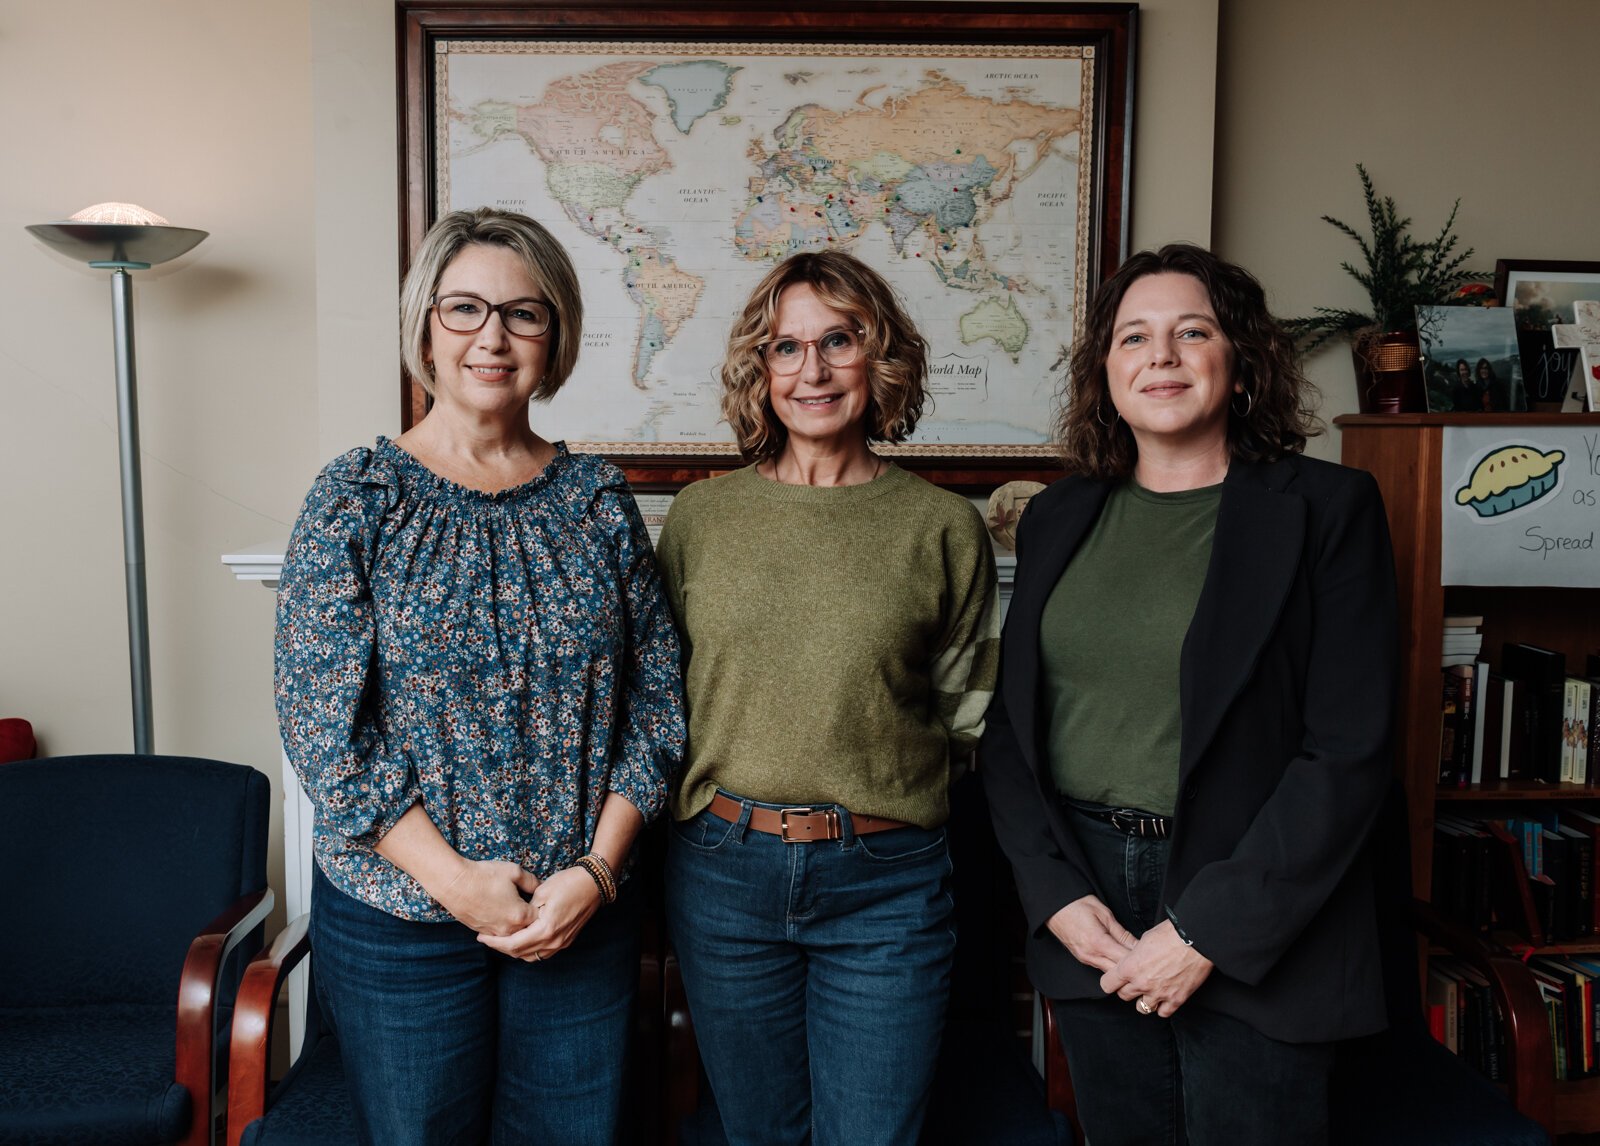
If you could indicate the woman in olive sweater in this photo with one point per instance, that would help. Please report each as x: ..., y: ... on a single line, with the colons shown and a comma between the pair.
x: 839, y: 620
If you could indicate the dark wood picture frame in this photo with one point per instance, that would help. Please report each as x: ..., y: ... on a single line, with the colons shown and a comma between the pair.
x: 1545, y: 369
x: 1110, y: 29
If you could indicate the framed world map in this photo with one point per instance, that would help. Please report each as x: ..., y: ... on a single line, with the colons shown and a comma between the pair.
x: 975, y: 154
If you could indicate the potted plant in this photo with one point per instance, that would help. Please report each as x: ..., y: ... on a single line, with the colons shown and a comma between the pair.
x: 1399, y: 273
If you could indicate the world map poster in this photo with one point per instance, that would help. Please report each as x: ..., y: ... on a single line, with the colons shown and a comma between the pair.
x: 676, y: 175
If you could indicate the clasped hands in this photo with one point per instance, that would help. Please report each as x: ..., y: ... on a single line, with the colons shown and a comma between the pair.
x: 517, y: 913
x: 1157, y: 969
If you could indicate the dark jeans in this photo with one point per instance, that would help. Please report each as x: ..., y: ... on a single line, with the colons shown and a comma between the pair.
x: 1199, y: 1077
x: 446, y: 1041
x: 817, y: 976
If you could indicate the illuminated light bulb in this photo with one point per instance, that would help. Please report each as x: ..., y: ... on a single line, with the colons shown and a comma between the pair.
x: 124, y: 214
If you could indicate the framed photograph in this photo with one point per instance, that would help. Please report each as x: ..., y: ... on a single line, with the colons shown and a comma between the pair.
x: 1584, y: 337
x: 976, y: 154
x: 1470, y: 360
x: 1540, y: 293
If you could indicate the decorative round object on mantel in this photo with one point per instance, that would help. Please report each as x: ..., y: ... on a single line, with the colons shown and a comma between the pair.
x: 1388, y: 372
x: 1005, y: 509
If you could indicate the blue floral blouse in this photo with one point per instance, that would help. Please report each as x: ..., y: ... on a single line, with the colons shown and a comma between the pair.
x: 506, y: 659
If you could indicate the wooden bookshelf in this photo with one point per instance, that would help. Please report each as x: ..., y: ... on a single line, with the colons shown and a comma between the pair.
x: 1514, y: 790
x: 1404, y: 452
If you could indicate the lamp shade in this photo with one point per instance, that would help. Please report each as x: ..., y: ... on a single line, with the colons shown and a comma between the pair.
x: 118, y: 233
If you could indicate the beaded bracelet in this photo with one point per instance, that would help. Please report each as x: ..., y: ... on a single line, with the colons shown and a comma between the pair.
x: 600, y: 872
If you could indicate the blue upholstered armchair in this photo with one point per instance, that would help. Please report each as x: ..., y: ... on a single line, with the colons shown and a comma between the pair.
x: 130, y: 888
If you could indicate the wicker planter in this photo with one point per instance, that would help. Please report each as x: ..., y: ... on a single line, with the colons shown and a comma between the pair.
x: 1388, y: 372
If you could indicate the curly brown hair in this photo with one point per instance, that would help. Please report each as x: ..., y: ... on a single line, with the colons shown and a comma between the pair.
x: 896, y: 354
x: 1278, y: 417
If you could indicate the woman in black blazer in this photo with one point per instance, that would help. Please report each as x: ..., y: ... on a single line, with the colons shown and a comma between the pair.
x: 1189, y: 743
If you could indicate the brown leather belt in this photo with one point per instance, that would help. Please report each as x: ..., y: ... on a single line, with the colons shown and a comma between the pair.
x: 800, y: 825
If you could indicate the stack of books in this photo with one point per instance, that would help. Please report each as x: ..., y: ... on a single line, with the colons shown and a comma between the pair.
x: 1534, y: 875
x: 1462, y: 1016
x: 1463, y: 640
x: 1530, y: 720
x: 1554, y: 717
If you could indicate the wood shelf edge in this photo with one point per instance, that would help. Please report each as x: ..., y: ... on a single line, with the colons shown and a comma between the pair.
x: 1536, y: 418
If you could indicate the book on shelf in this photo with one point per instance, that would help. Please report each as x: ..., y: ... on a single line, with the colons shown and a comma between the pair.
x: 1463, y: 871
x: 1442, y: 994
x: 1459, y: 727
x: 1560, y: 868
x: 1457, y: 988
x: 1579, y: 820
x: 1551, y: 990
x: 1589, y: 966
x: 1580, y: 870
x: 1572, y: 1026
x: 1575, y: 729
x: 1541, y: 674
x: 1569, y: 692
x: 1485, y: 1048
x: 1462, y: 641
x: 1494, y: 702
x: 1589, y: 731
x: 1478, y: 718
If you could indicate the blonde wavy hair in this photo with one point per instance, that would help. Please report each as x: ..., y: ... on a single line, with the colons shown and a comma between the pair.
x: 543, y: 256
x: 896, y: 354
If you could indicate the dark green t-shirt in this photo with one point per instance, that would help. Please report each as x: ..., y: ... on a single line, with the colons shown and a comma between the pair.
x: 1109, y: 643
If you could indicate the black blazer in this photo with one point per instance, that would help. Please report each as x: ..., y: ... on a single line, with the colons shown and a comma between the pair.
x: 1287, y: 682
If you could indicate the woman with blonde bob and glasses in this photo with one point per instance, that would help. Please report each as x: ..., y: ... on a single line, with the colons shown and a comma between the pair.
x: 839, y: 622
x: 477, y: 682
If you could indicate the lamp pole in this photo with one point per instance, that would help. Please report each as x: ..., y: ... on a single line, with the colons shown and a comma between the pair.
x: 132, y: 507
x: 120, y: 238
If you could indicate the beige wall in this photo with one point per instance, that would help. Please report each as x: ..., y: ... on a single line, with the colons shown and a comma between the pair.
x: 1478, y: 99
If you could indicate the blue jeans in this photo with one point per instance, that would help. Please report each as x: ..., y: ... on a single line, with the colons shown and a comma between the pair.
x: 446, y: 1041
x: 1200, y: 1077
x: 817, y: 976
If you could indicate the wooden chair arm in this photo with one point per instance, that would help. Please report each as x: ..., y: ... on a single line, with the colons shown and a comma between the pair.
x: 1057, y: 1077
x: 198, y: 985
x: 1530, y: 1057
x: 249, y: 1066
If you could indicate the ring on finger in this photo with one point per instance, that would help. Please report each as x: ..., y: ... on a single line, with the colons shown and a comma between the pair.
x: 1143, y: 1006
x: 538, y: 958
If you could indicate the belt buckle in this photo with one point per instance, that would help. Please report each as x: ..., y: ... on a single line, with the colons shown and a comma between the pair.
x: 783, y: 823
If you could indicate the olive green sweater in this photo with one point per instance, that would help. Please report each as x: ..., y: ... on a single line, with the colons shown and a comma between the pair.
x: 841, y: 642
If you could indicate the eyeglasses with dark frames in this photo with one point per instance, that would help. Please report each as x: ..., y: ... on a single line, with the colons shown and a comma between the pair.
x: 467, y: 314
x: 836, y: 348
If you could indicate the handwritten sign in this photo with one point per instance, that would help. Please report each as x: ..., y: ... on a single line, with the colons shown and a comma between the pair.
x: 1521, y: 505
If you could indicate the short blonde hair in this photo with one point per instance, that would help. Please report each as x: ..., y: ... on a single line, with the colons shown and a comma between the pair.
x: 546, y: 261
x: 896, y: 354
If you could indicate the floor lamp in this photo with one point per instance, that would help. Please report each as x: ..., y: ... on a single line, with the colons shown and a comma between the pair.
x: 120, y: 237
